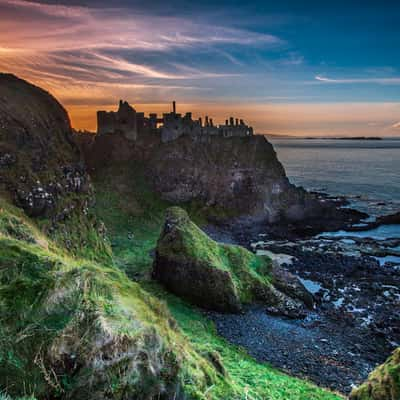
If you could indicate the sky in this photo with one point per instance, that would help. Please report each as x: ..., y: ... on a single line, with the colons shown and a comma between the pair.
x: 314, y: 68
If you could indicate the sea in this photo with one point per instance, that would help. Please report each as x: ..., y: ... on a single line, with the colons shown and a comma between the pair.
x: 367, y: 172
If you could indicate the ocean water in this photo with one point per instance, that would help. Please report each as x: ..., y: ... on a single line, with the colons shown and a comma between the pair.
x: 382, y: 232
x: 367, y: 172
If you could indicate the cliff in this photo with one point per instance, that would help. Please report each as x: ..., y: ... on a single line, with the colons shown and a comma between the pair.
x: 230, y: 177
x: 41, y: 167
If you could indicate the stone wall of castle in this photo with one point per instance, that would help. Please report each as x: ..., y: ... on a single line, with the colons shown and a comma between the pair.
x: 173, y: 125
x: 123, y: 121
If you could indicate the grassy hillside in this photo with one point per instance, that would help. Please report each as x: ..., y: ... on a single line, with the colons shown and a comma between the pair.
x: 80, y: 319
x: 73, y: 328
x: 67, y: 320
x: 134, y: 219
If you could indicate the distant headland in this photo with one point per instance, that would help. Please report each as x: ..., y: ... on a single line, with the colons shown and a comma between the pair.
x: 347, y: 138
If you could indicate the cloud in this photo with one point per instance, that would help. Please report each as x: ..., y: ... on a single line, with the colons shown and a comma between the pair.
x: 74, y: 49
x: 82, y: 27
x: 381, y: 81
x: 396, y: 125
x: 293, y: 58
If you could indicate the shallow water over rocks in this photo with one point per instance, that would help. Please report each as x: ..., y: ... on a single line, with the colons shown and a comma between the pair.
x: 355, y: 281
x: 382, y: 232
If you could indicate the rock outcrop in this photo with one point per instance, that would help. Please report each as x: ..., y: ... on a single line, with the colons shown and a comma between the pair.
x: 38, y: 160
x: 228, y: 177
x: 383, y: 383
x: 221, y: 277
x: 41, y: 167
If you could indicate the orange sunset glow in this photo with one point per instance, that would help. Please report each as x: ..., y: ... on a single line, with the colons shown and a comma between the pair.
x: 152, y: 59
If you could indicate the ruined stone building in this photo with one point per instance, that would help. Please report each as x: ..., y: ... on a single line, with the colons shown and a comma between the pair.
x: 123, y: 121
x: 170, y: 127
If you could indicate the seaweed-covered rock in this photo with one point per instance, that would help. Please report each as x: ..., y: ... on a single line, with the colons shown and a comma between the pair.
x: 216, y: 276
x: 383, y: 383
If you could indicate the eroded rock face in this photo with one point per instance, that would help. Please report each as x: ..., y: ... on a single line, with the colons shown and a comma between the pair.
x: 41, y: 167
x: 237, y: 176
x: 218, y: 276
x: 240, y: 175
x: 383, y: 383
x: 290, y: 285
x: 39, y: 163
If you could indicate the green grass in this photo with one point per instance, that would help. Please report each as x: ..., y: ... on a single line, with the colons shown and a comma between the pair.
x: 126, y: 205
x: 4, y: 396
x: 52, y: 298
x: 133, y: 215
x: 250, y: 379
x: 186, y: 244
x: 56, y: 310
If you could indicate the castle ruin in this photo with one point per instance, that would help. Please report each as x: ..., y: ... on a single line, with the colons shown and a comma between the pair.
x: 170, y: 127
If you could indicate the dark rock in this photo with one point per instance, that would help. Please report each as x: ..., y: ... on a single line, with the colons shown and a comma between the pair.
x: 218, y: 276
x: 7, y: 159
x: 181, y: 267
x: 289, y: 284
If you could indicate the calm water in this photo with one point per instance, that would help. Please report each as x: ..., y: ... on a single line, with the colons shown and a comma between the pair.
x: 366, y: 171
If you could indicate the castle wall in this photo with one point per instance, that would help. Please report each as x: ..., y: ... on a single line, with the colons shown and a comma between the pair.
x: 127, y: 121
x: 123, y: 121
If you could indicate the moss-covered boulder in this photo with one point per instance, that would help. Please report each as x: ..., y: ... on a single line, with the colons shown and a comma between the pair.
x: 383, y: 383
x: 216, y: 276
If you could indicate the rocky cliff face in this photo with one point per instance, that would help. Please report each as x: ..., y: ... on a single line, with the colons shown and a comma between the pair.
x: 242, y: 175
x: 41, y: 168
x: 38, y: 159
x: 233, y: 176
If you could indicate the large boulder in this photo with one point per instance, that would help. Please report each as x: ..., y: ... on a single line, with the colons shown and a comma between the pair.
x: 218, y: 276
x: 383, y: 383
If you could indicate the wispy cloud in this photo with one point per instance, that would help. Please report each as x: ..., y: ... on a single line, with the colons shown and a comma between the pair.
x: 396, y: 125
x: 67, y: 48
x: 381, y: 81
x: 293, y: 58
x: 80, y: 27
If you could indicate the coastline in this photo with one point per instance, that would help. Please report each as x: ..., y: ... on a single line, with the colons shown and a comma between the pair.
x: 352, y: 328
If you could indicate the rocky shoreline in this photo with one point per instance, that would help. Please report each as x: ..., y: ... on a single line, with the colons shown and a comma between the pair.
x: 355, y: 323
